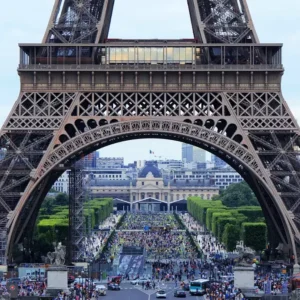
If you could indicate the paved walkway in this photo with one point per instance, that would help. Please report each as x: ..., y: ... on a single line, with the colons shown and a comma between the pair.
x: 207, y: 242
x: 95, y: 243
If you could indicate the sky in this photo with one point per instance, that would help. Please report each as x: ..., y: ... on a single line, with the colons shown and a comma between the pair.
x: 26, y: 21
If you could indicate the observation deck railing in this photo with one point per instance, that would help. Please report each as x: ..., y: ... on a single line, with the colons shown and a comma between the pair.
x: 150, y: 67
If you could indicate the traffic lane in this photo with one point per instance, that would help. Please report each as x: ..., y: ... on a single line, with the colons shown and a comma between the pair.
x: 125, y: 295
x: 170, y: 295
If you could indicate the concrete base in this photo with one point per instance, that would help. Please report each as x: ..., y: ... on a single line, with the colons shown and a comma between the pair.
x: 244, y: 278
x: 57, y: 280
x: 296, y: 269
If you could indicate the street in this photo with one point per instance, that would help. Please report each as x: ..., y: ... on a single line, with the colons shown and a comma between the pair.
x: 130, y: 292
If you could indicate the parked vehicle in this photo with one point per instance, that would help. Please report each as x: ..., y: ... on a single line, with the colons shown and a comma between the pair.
x: 139, y: 281
x: 179, y: 294
x: 101, y: 289
x: 161, y: 294
x: 113, y: 287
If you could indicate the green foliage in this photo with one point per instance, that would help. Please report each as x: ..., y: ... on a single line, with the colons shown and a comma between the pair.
x: 230, y: 236
x: 209, y: 214
x: 238, y: 194
x: 222, y: 222
x: 237, y: 206
x: 48, y: 205
x: 197, y: 207
x: 214, y: 221
x: 62, y: 199
x: 53, y: 220
x: 255, y: 235
x: 253, y: 213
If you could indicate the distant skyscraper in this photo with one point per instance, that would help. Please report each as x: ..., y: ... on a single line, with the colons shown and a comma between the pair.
x: 187, y: 153
x: 90, y: 161
x: 193, y: 154
x: 218, y: 162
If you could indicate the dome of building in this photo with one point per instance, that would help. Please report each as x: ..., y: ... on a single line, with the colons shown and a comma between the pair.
x: 150, y: 168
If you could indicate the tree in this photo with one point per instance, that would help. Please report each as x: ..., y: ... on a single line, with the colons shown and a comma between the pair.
x: 238, y: 194
x: 48, y: 205
x: 62, y: 199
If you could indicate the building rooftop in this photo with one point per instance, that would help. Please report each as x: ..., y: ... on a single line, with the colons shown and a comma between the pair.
x: 150, y: 167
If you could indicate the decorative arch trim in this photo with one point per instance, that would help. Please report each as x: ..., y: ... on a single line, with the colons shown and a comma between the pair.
x: 152, y: 127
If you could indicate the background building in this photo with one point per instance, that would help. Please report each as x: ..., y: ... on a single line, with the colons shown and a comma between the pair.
x: 62, y: 183
x: 90, y: 160
x: 218, y: 162
x: 151, y: 191
x: 110, y: 162
x: 193, y: 154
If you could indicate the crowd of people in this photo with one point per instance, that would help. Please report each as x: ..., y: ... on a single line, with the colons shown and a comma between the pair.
x: 140, y: 220
x: 160, y: 244
x: 96, y: 241
x: 171, y: 256
x: 26, y: 288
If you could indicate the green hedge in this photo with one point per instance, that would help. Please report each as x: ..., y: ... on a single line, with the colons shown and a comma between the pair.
x: 253, y: 213
x: 214, y: 221
x: 57, y: 223
x: 215, y: 216
x: 197, y: 207
x: 222, y: 222
x: 254, y: 235
x: 230, y: 236
x: 209, y: 214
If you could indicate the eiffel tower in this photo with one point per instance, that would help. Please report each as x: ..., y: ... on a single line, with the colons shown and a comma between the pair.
x: 81, y: 91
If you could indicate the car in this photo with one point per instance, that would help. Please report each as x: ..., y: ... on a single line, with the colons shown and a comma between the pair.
x: 161, y: 294
x: 113, y: 287
x: 179, y: 294
x: 186, y: 286
x: 139, y: 281
x: 116, y: 279
x: 101, y: 289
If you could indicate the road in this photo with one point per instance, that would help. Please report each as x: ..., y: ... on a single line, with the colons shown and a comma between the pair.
x: 130, y: 292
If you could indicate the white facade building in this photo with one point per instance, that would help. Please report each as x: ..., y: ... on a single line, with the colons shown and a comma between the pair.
x: 223, y: 178
x: 106, y: 174
x: 61, y: 185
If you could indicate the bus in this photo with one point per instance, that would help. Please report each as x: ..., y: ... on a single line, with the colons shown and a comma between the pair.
x: 199, y: 286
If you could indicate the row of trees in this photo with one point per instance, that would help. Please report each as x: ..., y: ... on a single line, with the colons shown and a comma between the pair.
x: 53, y: 221
x: 231, y: 224
x: 94, y: 212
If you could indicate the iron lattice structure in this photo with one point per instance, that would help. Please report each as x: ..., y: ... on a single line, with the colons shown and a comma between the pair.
x: 81, y: 91
x: 76, y: 220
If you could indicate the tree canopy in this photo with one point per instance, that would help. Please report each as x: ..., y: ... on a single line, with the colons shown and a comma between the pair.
x: 238, y: 194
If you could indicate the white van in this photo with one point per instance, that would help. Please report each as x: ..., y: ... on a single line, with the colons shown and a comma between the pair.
x: 101, y: 289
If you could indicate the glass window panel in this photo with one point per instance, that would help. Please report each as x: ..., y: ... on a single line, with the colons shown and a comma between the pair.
x: 131, y: 54
x: 176, y: 53
x: 112, y: 54
x: 125, y: 55
x: 147, y: 54
x: 189, y: 54
x: 141, y: 54
x: 183, y: 54
x: 118, y: 54
x: 154, y: 52
x: 170, y: 54
x: 160, y: 54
